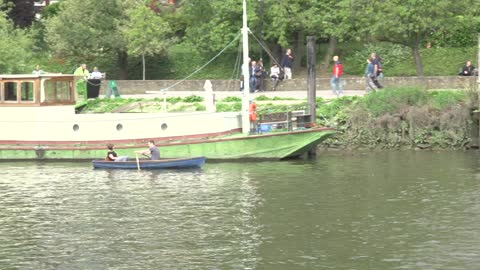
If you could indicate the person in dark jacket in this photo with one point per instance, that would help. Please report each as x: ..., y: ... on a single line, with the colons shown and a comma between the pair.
x: 112, y: 155
x: 468, y: 69
x: 287, y: 63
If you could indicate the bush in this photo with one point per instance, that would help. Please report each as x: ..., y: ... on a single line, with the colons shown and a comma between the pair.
x: 192, y: 98
x: 391, y: 55
x: 393, y: 100
x: 232, y: 99
x: 228, y: 107
x: 444, y: 99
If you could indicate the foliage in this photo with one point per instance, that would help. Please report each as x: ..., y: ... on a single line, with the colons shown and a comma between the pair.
x: 15, y: 46
x: 262, y: 97
x: 464, y: 33
x: 107, y: 105
x: 84, y: 31
x: 100, y: 33
x: 444, y: 99
x: 274, y: 108
x: 193, y: 98
x: 146, y: 32
x: 174, y: 100
x: 391, y: 55
x: 410, y: 23
x: 232, y: 99
x: 21, y: 12
x: 211, y: 25
x: 229, y: 106
x: 395, y: 118
x: 186, y: 60
x: 393, y: 100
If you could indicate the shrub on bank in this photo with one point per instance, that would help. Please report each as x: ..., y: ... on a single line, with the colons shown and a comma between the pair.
x: 402, y: 117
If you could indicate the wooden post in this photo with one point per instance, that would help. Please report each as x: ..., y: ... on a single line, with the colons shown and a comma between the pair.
x: 476, y: 118
x: 478, y: 63
x: 311, y: 83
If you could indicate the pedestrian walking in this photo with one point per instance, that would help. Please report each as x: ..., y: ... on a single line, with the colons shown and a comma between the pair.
x: 337, y: 84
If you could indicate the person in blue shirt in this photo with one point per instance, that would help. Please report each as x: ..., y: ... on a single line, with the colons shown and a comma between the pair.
x: 370, y: 76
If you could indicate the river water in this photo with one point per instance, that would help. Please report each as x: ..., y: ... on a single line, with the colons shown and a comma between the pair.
x: 356, y: 210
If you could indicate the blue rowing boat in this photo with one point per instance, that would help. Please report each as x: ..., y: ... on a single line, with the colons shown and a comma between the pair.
x: 170, y: 163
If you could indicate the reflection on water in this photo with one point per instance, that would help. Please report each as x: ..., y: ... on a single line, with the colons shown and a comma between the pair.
x: 388, y: 210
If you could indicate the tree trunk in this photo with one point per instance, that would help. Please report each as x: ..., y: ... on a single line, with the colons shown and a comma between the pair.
x: 299, y: 50
x: 418, y: 58
x: 332, y: 45
x: 122, y: 61
x: 143, y: 66
x: 276, y: 53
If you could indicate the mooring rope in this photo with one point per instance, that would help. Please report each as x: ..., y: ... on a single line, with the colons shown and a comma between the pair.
x: 202, y: 67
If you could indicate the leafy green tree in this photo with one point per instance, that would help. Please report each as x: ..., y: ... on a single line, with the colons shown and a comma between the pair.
x: 146, y: 32
x: 332, y: 20
x: 276, y: 24
x: 212, y: 24
x: 15, y: 46
x: 410, y: 22
x: 84, y: 31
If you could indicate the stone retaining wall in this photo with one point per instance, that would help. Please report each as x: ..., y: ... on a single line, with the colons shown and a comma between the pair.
x: 130, y: 87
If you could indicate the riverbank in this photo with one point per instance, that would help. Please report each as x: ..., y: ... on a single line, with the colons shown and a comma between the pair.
x: 390, y: 118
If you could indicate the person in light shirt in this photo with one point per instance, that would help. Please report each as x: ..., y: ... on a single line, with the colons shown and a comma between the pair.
x: 275, y: 75
x: 96, y: 74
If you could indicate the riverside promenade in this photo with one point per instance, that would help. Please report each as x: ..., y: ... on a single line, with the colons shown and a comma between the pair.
x: 219, y: 95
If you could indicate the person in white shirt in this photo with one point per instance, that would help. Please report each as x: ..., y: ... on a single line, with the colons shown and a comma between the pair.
x: 275, y: 75
x: 96, y: 74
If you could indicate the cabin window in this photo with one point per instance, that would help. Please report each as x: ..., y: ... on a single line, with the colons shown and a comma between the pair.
x: 56, y: 91
x: 10, y: 91
x: 27, y: 91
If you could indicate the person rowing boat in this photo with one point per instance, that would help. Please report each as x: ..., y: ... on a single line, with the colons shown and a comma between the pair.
x: 153, y: 152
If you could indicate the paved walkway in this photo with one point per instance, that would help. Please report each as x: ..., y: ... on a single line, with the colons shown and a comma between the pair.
x: 326, y: 94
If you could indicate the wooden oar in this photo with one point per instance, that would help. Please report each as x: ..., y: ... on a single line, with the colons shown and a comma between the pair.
x: 138, y: 162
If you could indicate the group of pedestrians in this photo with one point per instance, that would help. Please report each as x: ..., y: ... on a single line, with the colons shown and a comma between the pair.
x: 257, y: 76
x: 373, y: 73
x: 277, y: 73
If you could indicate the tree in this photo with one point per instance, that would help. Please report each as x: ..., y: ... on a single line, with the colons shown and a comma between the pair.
x: 84, y: 31
x: 292, y: 21
x: 14, y: 45
x: 410, y: 22
x: 210, y: 25
x: 146, y: 33
x: 21, y: 12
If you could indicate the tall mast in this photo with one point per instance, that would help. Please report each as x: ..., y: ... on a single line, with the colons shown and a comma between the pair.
x: 246, y: 74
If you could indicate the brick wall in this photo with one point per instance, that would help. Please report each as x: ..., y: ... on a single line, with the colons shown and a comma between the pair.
x: 351, y: 83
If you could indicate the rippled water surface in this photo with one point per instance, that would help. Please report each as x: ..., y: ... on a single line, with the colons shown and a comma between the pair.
x: 357, y: 210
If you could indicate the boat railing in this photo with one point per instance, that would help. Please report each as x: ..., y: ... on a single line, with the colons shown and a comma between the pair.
x: 280, y: 121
